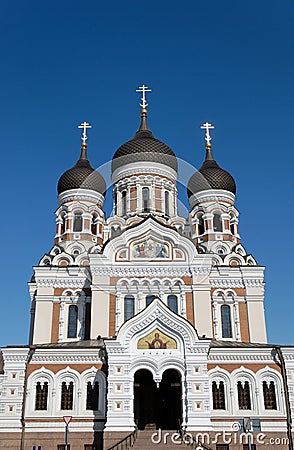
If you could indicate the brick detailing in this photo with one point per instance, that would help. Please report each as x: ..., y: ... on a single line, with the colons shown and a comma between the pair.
x: 244, y: 325
x: 112, y: 307
x: 55, y: 322
x: 57, y: 367
x: 189, y: 308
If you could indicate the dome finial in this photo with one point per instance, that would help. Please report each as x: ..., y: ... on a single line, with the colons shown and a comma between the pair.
x: 84, y: 137
x: 208, y: 126
x: 144, y: 103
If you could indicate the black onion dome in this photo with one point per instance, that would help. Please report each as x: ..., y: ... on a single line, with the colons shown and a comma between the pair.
x: 82, y: 175
x: 144, y: 147
x: 210, y: 176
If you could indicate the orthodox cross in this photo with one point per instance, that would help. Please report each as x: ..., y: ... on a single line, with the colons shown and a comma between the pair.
x: 143, y: 89
x: 207, y: 126
x: 84, y: 126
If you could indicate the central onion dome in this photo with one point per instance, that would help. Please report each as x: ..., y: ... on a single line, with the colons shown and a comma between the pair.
x: 210, y: 176
x: 82, y: 176
x: 144, y: 147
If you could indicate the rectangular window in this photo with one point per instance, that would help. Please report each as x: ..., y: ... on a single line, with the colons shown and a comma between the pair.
x: 222, y: 447
x: 90, y: 447
x: 246, y: 447
x: 63, y: 447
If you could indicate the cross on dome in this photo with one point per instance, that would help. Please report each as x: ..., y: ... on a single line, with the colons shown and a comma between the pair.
x: 207, y: 126
x: 143, y: 89
x: 84, y: 126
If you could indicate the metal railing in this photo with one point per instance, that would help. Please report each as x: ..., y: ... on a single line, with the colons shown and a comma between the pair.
x: 126, y: 442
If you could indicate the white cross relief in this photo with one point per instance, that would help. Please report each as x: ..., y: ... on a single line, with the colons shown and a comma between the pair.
x: 207, y: 126
x: 84, y: 126
x: 143, y: 89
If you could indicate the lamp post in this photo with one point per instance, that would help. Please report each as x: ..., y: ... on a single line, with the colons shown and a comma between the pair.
x: 66, y: 420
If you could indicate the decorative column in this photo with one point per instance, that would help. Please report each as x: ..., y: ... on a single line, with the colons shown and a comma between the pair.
x: 215, y: 319
x: 237, y: 320
x: 118, y: 311
x: 183, y: 304
x: 61, y: 320
x: 82, y: 315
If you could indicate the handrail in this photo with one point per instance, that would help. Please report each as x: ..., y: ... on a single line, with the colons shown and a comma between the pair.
x: 129, y: 441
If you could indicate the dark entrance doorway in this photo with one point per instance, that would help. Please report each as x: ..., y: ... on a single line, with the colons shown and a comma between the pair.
x: 158, y: 407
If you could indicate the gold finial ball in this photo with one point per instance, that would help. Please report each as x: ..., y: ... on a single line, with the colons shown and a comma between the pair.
x: 208, y: 145
x: 84, y: 144
x: 144, y: 112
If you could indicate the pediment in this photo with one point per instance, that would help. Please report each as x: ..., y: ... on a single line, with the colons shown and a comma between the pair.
x: 149, y: 241
x: 154, y: 329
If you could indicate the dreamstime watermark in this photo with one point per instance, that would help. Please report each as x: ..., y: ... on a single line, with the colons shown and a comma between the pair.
x: 224, y: 437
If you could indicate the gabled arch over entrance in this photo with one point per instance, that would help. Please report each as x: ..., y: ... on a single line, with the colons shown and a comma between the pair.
x: 158, y: 405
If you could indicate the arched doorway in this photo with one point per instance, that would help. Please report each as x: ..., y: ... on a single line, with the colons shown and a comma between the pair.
x: 158, y: 407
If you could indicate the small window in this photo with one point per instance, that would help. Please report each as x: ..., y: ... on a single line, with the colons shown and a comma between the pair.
x: 244, y: 395
x: 124, y: 203
x: 217, y: 222
x: 78, y: 222
x: 94, y: 225
x: 92, y: 396
x: 63, y: 447
x: 226, y: 321
x: 222, y: 447
x: 246, y: 447
x: 269, y: 395
x: 166, y: 203
x: 145, y: 198
x: 201, y: 228
x: 41, y: 396
x: 129, y: 307
x: 72, y: 321
x: 66, y: 396
x: 218, y: 395
x: 172, y: 303
x: 90, y: 447
x: 63, y: 224
x: 149, y: 299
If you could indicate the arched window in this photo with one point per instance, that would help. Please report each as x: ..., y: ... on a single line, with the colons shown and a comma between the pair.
x: 41, y: 396
x: 129, y: 307
x: 66, y: 395
x: 217, y: 222
x: 115, y: 203
x: 149, y: 299
x: 226, y: 321
x: 72, y: 321
x: 78, y: 222
x: 244, y: 395
x: 92, y: 396
x: 269, y: 395
x: 63, y: 224
x: 201, y: 228
x: 145, y: 199
x: 166, y: 203
x: 124, y: 203
x: 218, y: 395
x: 172, y: 303
x: 94, y: 224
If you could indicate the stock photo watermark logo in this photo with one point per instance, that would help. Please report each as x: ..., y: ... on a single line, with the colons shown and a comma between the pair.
x: 235, y: 436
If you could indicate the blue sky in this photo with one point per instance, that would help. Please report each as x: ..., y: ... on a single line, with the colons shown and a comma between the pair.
x: 230, y: 63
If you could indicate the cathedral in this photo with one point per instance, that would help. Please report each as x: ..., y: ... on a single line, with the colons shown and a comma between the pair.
x: 147, y: 328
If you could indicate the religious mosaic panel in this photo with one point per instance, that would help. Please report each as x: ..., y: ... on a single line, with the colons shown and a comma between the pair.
x: 150, y: 248
x: 156, y: 340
